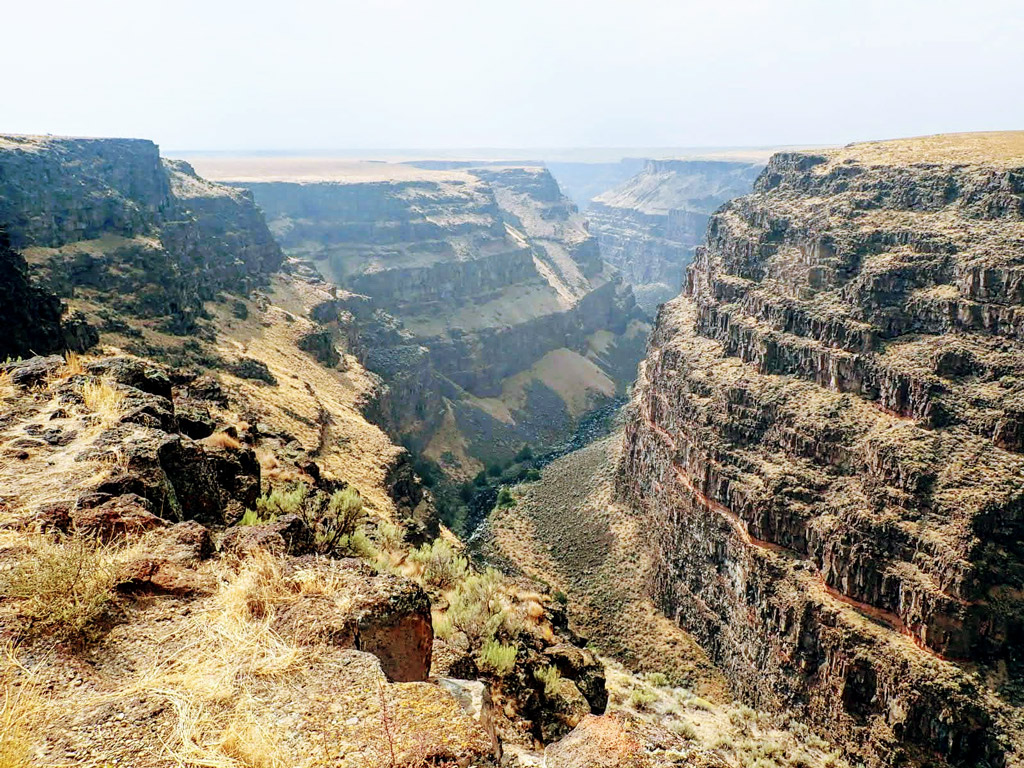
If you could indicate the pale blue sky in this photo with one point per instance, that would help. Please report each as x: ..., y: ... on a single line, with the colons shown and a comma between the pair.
x: 207, y: 74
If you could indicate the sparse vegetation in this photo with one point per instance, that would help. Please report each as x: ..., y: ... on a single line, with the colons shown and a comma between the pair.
x: 336, y: 519
x: 550, y: 678
x: 64, y: 588
x: 443, y: 568
x: 103, y: 399
x: 498, y: 658
x: 224, y: 440
x: 641, y: 698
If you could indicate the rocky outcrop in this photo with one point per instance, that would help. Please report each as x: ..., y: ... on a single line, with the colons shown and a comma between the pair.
x: 31, y: 316
x: 823, y: 438
x: 649, y: 225
x: 109, y: 220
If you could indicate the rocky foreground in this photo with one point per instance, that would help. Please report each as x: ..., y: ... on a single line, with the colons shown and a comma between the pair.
x: 825, y: 442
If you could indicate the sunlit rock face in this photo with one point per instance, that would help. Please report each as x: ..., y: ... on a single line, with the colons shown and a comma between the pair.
x: 826, y: 439
x: 649, y: 225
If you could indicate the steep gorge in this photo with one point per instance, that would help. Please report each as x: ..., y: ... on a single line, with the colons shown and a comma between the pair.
x: 824, y: 439
x: 489, y: 305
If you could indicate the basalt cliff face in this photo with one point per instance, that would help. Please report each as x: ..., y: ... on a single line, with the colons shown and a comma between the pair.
x: 109, y: 220
x: 649, y: 225
x: 826, y: 441
x: 491, y: 314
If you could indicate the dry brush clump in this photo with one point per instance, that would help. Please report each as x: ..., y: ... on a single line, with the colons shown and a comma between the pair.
x: 64, y: 587
x: 103, y: 399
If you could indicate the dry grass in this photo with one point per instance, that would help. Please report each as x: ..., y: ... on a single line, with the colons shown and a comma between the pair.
x: 21, y: 709
x: 73, y: 366
x: 223, y: 440
x: 7, y: 388
x: 103, y: 399
x: 64, y: 588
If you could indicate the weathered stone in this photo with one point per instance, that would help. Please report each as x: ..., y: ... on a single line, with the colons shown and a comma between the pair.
x: 289, y: 534
x: 811, y: 434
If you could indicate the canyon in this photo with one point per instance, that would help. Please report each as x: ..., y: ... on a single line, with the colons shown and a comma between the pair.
x: 490, y: 308
x: 239, y: 393
x: 649, y: 225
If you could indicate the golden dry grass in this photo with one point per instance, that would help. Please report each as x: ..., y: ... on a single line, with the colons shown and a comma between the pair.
x: 223, y: 440
x: 21, y: 709
x: 7, y: 388
x: 103, y: 399
x: 1004, y: 149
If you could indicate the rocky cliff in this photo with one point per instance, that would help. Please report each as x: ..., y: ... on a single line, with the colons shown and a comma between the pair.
x: 502, y: 323
x: 107, y: 219
x: 825, y: 439
x: 649, y: 225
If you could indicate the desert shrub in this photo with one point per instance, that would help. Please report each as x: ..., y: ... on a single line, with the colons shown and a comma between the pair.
x: 532, y: 475
x: 103, y: 399
x: 683, y: 728
x: 336, y: 519
x: 477, y: 607
x: 641, y: 698
x: 525, y: 454
x: 65, y: 588
x: 282, y: 501
x: 442, y: 566
x: 497, y: 657
x: 390, y: 536
x: 657, y: 679
x: 505, y: 498
x: 494, y: 470
x: 550, y: 678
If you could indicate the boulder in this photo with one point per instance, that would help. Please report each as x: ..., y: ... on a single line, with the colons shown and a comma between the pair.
x: 28, y: 373
x: 289, y: 534
x: 118, y: 517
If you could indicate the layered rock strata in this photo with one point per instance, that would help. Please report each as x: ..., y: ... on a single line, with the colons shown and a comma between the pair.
x: 489, y: 308
x: 825, y: 437
x: 109, y: 219
x: 649, y: 225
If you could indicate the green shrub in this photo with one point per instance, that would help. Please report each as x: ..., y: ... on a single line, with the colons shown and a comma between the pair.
x: 657, y: 679
x: 390, y: 536
x: 641, y: 698
x: 532, y: 475
x: 497, y: 658
x: 525, y: 454
x: 442, y: 566
x: 550, y: 678
x: 64, y: 588
x: 505, y: 498
x: 282, y: 501
x: 494, y: 470
x: 476, y: 608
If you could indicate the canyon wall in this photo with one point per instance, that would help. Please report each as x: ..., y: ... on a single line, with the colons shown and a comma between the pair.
x: 826, y: 441
x: 491, y: 313
x: 109, y: 220
x: 649, y: 225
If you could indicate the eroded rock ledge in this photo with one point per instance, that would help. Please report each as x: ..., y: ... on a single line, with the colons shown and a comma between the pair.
x: 826, y: 437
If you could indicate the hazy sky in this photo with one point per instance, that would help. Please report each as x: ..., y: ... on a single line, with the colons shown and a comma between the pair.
x: 207, y: 74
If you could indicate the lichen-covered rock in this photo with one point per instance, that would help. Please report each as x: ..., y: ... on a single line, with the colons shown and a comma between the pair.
x: 822, y: 441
